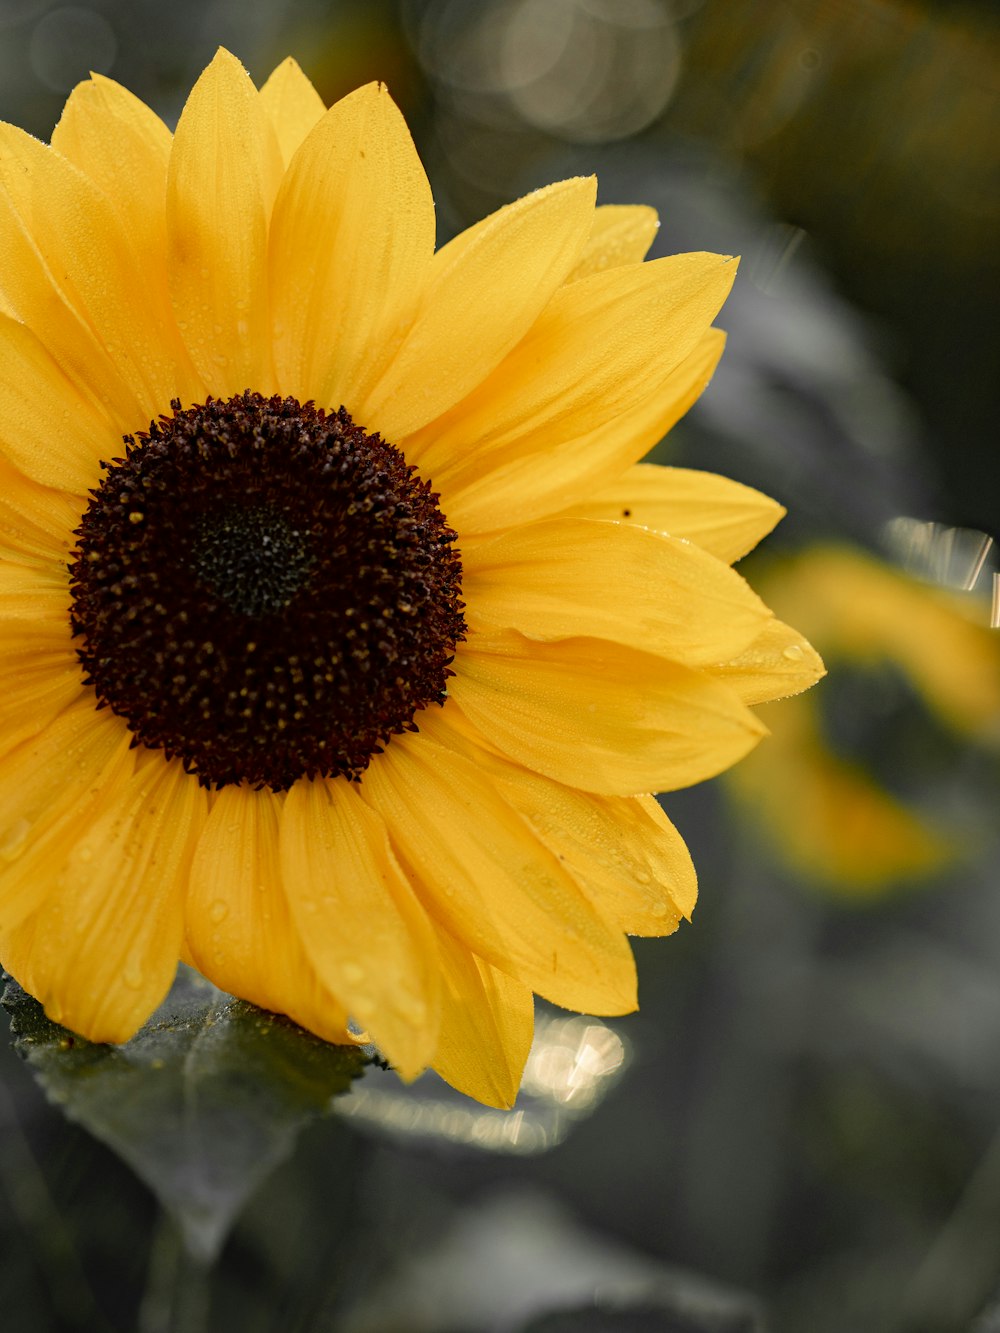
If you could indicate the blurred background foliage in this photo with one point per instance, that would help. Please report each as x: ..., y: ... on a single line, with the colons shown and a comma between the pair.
x: 801, y: 1128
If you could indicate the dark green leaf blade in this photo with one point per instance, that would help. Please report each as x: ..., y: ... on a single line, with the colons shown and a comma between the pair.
x: 203, y: 1102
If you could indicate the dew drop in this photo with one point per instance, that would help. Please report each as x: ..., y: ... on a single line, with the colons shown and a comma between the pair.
x: 218, y: 911
x: 642, y: 876
x: 660, y: 909
x: 793, y: 653
x: 86, y: 854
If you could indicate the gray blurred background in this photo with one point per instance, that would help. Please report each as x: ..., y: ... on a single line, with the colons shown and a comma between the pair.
x: 801, y: 1130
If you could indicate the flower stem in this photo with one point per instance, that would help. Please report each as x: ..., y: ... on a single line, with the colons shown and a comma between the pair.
x: 177, y: 1293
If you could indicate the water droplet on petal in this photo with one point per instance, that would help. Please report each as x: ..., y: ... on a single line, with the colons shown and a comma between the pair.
x: 793, y: 653
x: 218, y: 911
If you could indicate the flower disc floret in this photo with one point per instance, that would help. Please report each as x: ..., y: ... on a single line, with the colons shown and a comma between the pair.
x: 266, y: 591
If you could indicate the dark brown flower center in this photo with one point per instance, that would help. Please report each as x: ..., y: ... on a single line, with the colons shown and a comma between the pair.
x: 266, y: 591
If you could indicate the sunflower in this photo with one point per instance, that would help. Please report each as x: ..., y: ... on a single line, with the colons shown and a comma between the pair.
x: 341, y: 633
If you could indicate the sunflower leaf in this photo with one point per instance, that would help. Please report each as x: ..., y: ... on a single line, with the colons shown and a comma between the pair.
x: 203, y: 1102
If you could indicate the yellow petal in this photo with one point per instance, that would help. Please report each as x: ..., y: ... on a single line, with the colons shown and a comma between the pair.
x: 484, y: 292
x: 721, y: 516
x: 18, y: 954
x: 630, y: 859
x: 623, y: 850
x: 351, y: 239
x: 108, y: 934
x: 293, y: 104
x: 536, y: 482
x: 776, y: 664
x: 39, y: 671
x: 35, y: 293
x: 36, y: 523
x: 123, y: 147
x: 361, y: 926
x: 46, y: 429
x: 491, y: 883
x: 487, y: 1023
x: 93, y: 263
x: 239, y: 927
x: 53, y: 785
x: 621, y: 234
x: 40, y: 678
x: 224, y: 170
x: 601, y: 345
x: 600, y: 716
x: 28, y: 592
x: 565, y: 578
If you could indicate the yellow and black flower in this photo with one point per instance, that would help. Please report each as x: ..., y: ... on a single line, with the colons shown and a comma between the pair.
x: 341, y: 635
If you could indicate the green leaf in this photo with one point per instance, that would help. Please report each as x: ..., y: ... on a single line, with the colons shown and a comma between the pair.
x: 203, y: 1102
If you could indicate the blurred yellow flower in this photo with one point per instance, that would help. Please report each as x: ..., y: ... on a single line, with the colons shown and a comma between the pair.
x: 825, y: 812
x: 272, y: 704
